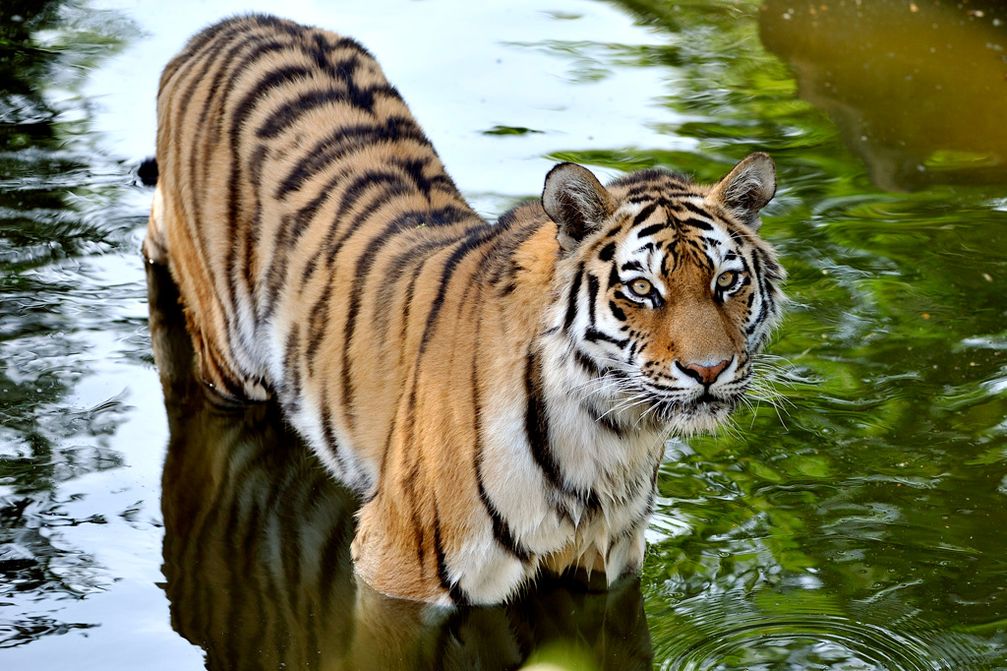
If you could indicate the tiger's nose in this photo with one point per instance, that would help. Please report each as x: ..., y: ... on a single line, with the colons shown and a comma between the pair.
x: 704, y: 374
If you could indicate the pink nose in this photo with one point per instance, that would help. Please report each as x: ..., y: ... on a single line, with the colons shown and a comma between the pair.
x: 704, y: 374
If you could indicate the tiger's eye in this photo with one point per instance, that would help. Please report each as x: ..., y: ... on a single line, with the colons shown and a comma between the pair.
x: 727, y: 279
x: 641, y: 287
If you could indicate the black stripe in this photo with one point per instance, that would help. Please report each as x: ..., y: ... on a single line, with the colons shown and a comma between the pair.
x: 453, y: 589
x: 650, y: 230
x: 616, y: 311
x: 603, y: 419
x: 196, y: 44
x: 198, y: 165
x: 209, y: 60
x: 763, y: 304
x: 695, y: 209
x: 325, y: 408
x: 318, y: 321
x: 594, y: 335
x: 672, y: 256
x: 614, y: 231
x: 607, y: 252
x: 665, y: 387
x: 252, y: 237
x: 573, y: 297
x: 415, y: 167
x: 353, y: 192
x: 587, y: 363
x: 613, y: 277
x: 767, y: 296
x: 230, y: 383
x: 536, y: 424
x: 352, y: 45
x: 227, y: 77
x: 272, y: 80
x: 697, y: 223
x: 414, y: 255
x: 592, y: 297
x: 277, y: 273
x: 537, y: 434
x: 643, y: 214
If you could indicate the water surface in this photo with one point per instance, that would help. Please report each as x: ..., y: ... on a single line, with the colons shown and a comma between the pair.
x: 855, y: 525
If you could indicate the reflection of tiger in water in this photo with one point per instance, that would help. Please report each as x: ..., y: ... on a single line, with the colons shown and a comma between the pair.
x: 257, y: 561
x: 498, y: 395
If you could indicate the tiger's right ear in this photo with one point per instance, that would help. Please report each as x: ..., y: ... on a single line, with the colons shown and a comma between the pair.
x: 578, y: 203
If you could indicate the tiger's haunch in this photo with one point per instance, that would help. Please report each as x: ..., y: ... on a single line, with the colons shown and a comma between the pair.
x: 497, y: 394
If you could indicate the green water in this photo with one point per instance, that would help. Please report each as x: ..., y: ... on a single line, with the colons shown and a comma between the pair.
x: 859, y: 524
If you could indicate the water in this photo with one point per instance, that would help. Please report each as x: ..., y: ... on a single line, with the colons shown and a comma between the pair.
x: 857, y: 526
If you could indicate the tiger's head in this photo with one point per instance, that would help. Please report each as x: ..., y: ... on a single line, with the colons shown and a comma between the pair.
x: 666, y: 291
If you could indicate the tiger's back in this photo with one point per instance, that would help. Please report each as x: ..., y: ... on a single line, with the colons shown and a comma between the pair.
x: 286, y: 162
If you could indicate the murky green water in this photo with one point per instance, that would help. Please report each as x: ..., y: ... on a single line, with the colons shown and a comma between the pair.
x: 860, y: 524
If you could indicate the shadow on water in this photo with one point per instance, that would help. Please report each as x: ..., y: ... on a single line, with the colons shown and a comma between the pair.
x: 917, y: 89
x: 257, y: 565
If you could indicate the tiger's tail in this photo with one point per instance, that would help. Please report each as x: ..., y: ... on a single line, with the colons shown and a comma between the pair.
x: 147, y: 171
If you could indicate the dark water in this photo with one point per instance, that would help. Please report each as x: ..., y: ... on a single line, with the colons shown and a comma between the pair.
x: 857, y: 523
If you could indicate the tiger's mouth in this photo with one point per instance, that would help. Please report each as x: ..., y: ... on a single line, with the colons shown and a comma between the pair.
x: 702, y: 415
x: 703, y: 412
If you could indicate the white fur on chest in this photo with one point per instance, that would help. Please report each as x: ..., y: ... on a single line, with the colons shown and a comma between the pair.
x: 607, y: 477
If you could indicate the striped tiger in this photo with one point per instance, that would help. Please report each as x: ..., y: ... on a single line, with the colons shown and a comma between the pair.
x: 257, y: 555
x: 497, y: 394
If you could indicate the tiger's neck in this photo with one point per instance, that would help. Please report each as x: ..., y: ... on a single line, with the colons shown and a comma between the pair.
x: 594, y: 455
x: 574, y: 486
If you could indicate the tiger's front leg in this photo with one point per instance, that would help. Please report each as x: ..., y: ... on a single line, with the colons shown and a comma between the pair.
x: 390, y: 552
x: 626, y: 554
x: 446, y: 556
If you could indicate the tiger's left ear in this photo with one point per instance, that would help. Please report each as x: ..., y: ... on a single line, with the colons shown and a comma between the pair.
x: 747, y: 188
x: 578, y: 203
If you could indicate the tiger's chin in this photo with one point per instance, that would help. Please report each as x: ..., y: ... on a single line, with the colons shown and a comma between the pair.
x: 703, y: 415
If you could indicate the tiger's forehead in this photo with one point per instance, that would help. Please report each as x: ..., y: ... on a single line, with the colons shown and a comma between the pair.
x: 682, y: 223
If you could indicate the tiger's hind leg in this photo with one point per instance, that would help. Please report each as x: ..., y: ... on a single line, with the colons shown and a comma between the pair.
x: 204, y: 316
x: 155, y: 245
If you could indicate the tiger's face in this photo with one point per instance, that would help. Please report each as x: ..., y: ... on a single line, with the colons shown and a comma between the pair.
x: 670, y: 292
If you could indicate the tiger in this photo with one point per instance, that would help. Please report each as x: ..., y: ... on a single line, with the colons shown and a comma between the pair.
x: 257, y: 565
x: 497, y: 394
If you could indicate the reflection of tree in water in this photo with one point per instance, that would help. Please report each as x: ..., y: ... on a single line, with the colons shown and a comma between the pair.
x: 917, y: 89
x: 44, y: 442
x: 257, y: 566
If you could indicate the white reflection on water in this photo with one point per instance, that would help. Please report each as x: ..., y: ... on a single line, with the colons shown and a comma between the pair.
x: 457, y: 65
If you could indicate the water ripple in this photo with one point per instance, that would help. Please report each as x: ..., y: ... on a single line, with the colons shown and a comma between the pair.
x: 774, y: 632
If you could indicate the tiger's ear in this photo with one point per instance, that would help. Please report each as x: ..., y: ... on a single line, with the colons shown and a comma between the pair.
x: 747, y: 188
x: 578, y: 203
